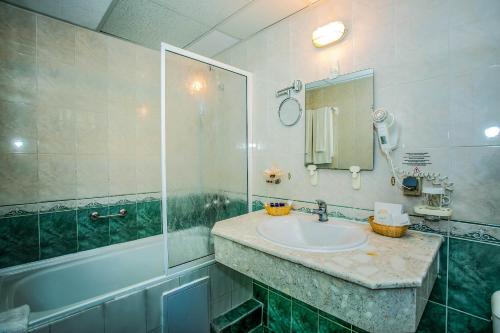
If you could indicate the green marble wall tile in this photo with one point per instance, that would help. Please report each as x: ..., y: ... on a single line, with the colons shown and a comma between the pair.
x: 473, y: 276
x: 123, y: 228
x: 280, y: 309
x: 257, y: 205
x: 243, y: 318
x: 18, y: 240
x: 148, y: 219
x: 438, y: 293
x: 261, y: 294
x: 201, y: 209
x: 92, y: 234
x: 328, y: 326
x: 248, y: 322
x: 459, y: 322
x: 433, y: 320
x: 304, y: 318
x: 58, y: 234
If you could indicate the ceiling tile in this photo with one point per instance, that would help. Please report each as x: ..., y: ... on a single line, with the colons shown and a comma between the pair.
x: 258, y: 15
x: 209, y: 12
x: 149, y: 24
x: 212, y: 43
x: 85, y: 13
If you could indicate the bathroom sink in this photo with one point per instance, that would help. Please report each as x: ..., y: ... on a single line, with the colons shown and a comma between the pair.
x: 303, y: 233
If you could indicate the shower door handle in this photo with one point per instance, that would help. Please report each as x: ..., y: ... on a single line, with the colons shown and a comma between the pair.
x: 95, y: 215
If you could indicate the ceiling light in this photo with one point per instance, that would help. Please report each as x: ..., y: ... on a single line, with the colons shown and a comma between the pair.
x: 328, y: 34
x: 18, y: 143
x: 492, y: 132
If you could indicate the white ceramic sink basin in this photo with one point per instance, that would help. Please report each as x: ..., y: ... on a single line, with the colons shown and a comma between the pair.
x: 303, y: 233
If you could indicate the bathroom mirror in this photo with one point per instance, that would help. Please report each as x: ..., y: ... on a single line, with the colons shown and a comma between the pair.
x: 339, y: 129
x: 290, y: 111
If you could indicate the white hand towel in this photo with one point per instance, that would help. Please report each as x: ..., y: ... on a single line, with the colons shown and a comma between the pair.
x: 323, y: 135
x: 15, y: 320
x: 309, y: 136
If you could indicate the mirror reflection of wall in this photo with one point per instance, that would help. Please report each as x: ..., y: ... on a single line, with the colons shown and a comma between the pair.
x: 339, y: 129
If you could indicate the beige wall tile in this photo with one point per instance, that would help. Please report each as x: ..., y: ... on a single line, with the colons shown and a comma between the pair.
x: 91, y: 132
x: 18, y: 131
x: 55, y: 40
x: 57, y: 176
x: 18, y: 178
x: 56, y: 130
x: 92, y: 175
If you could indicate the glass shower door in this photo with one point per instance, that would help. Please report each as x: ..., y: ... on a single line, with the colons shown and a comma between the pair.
x: 206, y: 153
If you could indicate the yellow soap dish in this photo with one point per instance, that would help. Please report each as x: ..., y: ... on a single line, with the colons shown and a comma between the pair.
x: 278, y: 211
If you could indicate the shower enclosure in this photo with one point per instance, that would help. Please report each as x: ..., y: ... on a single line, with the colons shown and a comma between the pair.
x: 205, y: 158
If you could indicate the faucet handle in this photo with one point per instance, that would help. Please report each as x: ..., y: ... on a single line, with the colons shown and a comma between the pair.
x: 321, y: 203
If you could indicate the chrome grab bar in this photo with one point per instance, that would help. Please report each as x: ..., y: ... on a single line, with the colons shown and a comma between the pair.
x: 95, y: 215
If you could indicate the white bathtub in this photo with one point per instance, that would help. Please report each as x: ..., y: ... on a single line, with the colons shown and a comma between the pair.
x: 67, y: 285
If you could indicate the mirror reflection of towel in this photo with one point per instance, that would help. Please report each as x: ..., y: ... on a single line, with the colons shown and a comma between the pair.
x: 309, y: 137
x: 322, y: 135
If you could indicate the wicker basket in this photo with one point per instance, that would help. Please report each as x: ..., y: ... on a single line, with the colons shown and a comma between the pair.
x: 278, y: 211
x: 387, y: 230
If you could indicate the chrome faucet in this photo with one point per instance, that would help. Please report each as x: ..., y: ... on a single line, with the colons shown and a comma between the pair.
x: 321, y: 211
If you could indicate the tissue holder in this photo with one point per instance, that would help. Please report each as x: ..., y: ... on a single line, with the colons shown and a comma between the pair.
x: 394, y: 231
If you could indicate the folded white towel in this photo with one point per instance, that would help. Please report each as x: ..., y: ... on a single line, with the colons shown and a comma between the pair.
x: 15, y: 320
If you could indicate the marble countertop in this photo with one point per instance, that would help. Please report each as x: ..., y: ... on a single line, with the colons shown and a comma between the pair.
x: 383, y: 262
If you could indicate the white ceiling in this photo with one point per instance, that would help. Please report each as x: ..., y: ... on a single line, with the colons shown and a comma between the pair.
x: 85, y: 13
x: 203, y: 26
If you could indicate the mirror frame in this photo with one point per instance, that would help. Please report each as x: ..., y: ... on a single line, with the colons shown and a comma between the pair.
x: 293, y: 99
x: 340, y: 79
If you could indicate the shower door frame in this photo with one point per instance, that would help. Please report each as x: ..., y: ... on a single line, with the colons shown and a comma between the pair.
x: 203, y: 261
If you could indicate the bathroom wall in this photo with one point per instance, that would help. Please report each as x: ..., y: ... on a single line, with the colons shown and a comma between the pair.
x: 436, y: 67
x: 79, y: 132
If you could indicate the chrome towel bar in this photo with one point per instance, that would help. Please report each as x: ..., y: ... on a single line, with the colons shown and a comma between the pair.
x: 95, y: 215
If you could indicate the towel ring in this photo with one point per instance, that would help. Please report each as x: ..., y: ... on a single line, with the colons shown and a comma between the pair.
x: 290, y: 111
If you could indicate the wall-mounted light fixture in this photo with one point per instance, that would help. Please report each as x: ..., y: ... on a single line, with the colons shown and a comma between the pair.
x: 328, y: 33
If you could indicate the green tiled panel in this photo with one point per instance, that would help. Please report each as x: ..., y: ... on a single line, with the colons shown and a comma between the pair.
x: 261, y: 294
x: 123, y: 228
x: 304, y: 318
x: 92, y: 234
x: 18, y: 240
x: 459, y: 322
x: 433, y: 320
x: 148, y: 219
x: 439, y: 291
x: 248, y: 322
x: 202, y: 209
x: 57, y: 234
x: 280, y: 309
x: 328, y: 326
x: 243, y: 318
x: 473, y: 275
